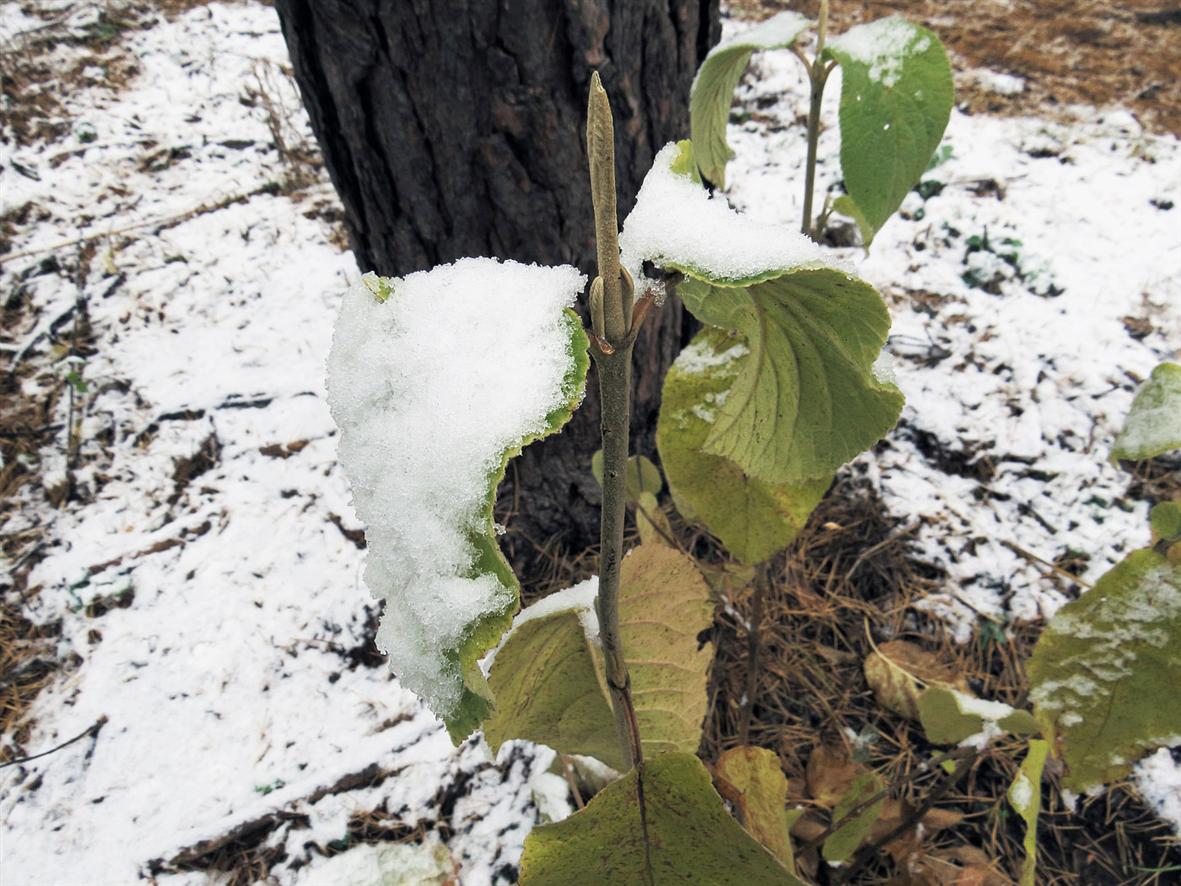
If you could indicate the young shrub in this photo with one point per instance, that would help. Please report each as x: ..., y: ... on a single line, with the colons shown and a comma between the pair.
x: 896, y: 98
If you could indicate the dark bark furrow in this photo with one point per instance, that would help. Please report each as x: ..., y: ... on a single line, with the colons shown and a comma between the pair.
x: 455, y: 128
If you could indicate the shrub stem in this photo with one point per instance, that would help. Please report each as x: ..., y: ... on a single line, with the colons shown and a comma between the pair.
x: 611, y: 304
x: 817, y: 76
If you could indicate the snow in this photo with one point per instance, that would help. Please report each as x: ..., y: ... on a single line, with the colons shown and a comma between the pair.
x: 1021, y: 792
x: 883, y: 46
x: 579, y: 598
x: 236, y: 685
x: 779, y: 30
x: 1158, y: 778
x: 430, y: 387
x: 676, y: 223
x: 235, y: 668
x: 996, y: 81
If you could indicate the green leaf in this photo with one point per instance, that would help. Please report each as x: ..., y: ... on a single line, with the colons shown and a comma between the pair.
x: 843, y: 842
x: 548, y: 684
x: 640, y: 475
x: 951, y: 717
x: 663, y: 605
x: 1025, y: 795
x: 806, y: 398
x: 678, y: 833
x: 1104, y: 673
x: 1153, y: 426
x: 896, y: 98
x: 1165, y: 518
x: 549, y: 681
x: 425, y: 442
x: 713, y: 88
x: 755, y: 774
x: 752, y: 518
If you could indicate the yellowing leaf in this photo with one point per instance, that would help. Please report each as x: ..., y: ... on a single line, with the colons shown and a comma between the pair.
x: 752, y: 518
x: 549, y: 680
x: 1153, y: 426
x: 663, y: 605
x: 549, y: 688
x: 897, y: 672
x: 1025, y: 795
x: 762, y: 794
x: 713, y: 88
x: 683, y: 836
x: 1105, y: 672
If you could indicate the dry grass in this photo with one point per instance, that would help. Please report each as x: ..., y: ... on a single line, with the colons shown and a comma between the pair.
x: 851, y: 576
x: 1091, y: 52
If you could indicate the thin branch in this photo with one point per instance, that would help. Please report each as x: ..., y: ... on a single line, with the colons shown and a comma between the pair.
x: 91, y: 730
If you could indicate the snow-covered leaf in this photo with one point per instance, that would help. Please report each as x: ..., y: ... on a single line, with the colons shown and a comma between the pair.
x: 548, y: 676
x: 681, y: 834
x: 896, y: 98
x: 1105, y: 673
x: 713, y: 87
x: 1153, y: 426
x: 806, y: 398
x: 953, y: 717
x: 1025, y: 795
x: 436, y: 381
x: 752, y: 518
x: 758, y: 779
x: 843, y: 842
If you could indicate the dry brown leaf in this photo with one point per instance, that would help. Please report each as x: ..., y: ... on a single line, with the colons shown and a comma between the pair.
x: 829, y: 773
x: 899, y: 670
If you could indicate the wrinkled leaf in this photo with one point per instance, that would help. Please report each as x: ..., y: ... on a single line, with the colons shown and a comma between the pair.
x: 752, y: 518
x: 843, y: 842
x: 805, y: 399
x: 898, y: 670
x: 1025, y: 795
x: 952, y: 717
x: 713, y: 88
x: 762, y: 788
x: 1105, y: 671
x: 685, y: 837
x: 896, y: 98
x: 1153, y: 425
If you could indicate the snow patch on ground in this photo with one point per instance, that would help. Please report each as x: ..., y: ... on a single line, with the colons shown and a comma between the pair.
x: 236, y: 688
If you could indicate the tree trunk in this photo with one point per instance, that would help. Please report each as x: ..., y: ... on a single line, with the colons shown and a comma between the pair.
x: 456, y: 127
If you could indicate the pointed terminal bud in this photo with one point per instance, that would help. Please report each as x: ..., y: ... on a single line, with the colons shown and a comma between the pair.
x: 600, y: 152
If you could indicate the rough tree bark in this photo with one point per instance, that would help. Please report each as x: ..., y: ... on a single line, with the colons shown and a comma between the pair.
x: 456, y: 127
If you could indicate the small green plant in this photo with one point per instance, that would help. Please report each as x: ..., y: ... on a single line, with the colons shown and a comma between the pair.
x: 896, y: 98
x: 439, y: 378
